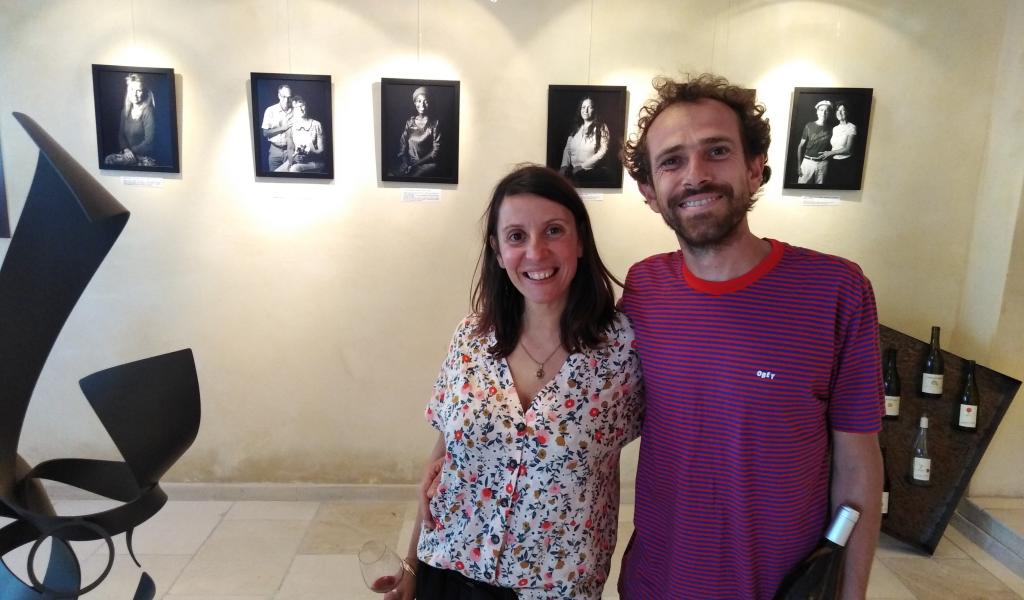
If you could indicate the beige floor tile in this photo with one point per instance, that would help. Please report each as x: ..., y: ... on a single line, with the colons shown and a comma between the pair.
x: 169, y: 597
x: 180, y: 527
x: 242, y: 557
x: 297, y: 511
x: 889, y: 547
x: 626, y: 512
x: 948, y: 578
x: 625, y: 530
x: 885, y: 585
x: 1012, y: 580
x: 324, y: 576
x: 123, y: 579
x: 343, y: 527
x: 1011, y: 517
x: 405, y: 533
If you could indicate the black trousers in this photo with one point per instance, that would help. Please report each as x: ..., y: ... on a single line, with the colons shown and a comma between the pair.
x: 441, y: 584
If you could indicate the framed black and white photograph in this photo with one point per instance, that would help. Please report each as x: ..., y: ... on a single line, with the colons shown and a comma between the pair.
x: 828, y: 132
x: 291, y: 125
x: 136, y: 118
x: 586, y: 126
x: 419, y: 128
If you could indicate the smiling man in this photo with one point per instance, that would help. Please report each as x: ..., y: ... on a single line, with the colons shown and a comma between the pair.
x: 761, y: 364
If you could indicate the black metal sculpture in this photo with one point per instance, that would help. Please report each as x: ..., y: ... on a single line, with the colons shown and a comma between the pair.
x: 150, y: 407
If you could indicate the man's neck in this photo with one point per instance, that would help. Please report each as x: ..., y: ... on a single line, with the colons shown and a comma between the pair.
x: 730, y: 259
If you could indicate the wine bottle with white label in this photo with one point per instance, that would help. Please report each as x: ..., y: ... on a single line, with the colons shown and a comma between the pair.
x: 931, y: 375
x: 967, y: 406
x: 921, y: 463
x: 892, y: 385
x: 885, y: 485
x: 819, y: 574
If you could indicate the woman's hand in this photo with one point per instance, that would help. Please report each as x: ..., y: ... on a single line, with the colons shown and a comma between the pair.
x: 406, y: 589
x: 428, y: 488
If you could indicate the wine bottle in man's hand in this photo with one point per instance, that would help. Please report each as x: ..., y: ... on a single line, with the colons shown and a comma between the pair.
x: 819, y: 575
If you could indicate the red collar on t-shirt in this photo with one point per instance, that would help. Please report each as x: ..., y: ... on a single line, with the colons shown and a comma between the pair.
x: 733, y: 285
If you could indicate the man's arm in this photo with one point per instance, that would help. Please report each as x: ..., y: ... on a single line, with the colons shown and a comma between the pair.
x: 857, y: 481
x: 269, y: 129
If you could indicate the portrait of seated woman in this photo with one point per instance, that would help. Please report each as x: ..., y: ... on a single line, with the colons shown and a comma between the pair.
x: 137, y: 128
x: 586, y: 149
x: 585, y: 131
x: 420, y: 145
x: 136, y: 118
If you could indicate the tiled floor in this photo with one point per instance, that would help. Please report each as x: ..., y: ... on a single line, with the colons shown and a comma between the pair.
x: 1008, y: 511
x: 219, y: 550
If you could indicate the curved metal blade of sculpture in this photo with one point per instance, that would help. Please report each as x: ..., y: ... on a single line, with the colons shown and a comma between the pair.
x: 150, y: 408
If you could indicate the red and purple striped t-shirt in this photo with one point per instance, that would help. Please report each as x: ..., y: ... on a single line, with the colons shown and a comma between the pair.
x: 745, y: 379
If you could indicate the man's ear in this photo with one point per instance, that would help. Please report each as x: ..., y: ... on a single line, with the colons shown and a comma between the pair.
x: 497, y: 254
x: 755, y: 172
x: 647, y: 191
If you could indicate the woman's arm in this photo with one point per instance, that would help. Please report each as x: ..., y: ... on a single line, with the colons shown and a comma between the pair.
x: 318, y: 138
x: 602, y: 148
x: 407, y: 588
x: 566, y: 166
x: 148, y: 132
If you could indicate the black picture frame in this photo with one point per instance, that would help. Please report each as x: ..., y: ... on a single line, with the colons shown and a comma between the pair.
x: 831, y: 172
x: 149, y: 124
x: 5, y: 223
x: 439, y: 133
x: 281, y: 155
x: 608, y: 104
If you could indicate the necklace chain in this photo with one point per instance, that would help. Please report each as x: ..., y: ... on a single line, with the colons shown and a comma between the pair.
x: 540, y: 365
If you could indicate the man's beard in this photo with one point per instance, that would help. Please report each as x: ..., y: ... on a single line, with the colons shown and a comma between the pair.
x: 706, y: 231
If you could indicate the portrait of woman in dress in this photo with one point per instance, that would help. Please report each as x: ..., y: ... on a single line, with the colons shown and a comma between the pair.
x: 419, y: 148
x: 137, y: 128
x: 587, y: 146
x: 421, y: 144
x: 136, y: 118
x: 305, y: 145
x: 586, y: 126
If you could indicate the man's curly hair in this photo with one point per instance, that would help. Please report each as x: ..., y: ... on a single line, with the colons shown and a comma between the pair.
x: 755, y: 132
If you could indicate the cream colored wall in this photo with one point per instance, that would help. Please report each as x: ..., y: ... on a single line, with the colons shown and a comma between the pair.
x: 319, y: 312
x: 992, y: 310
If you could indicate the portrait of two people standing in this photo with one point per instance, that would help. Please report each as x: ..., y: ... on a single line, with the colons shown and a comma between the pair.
x: 291, y: 125
x: 827, y: 152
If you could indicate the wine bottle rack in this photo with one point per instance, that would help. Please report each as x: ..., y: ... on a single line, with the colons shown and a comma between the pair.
x: 919, y: 515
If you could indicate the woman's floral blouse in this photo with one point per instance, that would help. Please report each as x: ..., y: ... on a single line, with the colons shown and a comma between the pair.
x: 529, y: 499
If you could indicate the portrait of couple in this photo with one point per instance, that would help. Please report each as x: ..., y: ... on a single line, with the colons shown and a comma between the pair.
x: 291, y: 116
x: 828, y: 138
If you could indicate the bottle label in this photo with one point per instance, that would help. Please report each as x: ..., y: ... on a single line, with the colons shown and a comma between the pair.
x: 968, y: 416
x: 922, y: 469
x: 931, y: 383
x: 892, y: 406
x: 885, y: 503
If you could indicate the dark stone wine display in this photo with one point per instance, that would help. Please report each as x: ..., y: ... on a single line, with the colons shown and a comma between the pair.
x: 918, y: 515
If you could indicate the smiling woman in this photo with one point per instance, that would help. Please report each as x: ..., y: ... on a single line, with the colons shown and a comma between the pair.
x: 539, y: 392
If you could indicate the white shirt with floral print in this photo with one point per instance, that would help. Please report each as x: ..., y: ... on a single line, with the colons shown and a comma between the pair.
x: 530, y: 499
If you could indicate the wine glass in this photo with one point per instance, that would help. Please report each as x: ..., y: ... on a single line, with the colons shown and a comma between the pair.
x: 382, y: 569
